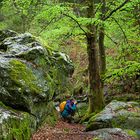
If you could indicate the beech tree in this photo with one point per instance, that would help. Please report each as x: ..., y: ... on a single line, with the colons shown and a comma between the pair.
x: 97, y: 65
x: 91, y: 24
x: 96, y: 101
x: 95, y: 35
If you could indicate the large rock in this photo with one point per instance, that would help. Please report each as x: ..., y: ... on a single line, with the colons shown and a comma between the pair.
x: 114, y: 134
x: 30, y: 74
x: 15, y: 124
x: 6, y: 33
x: 117, y: 115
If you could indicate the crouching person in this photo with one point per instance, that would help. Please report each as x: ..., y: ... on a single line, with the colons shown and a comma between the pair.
x: 68, y: 110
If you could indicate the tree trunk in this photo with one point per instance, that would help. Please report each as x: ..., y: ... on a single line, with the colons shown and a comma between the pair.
x: 23, y: 17
x: 96, y: 101
x: 101, y: 45
x: 102, y: 51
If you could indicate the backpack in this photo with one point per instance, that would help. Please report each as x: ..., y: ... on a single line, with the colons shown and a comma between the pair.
x: 62, y: 106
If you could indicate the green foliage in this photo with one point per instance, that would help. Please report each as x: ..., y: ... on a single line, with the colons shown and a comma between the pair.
x: 131, y: 133
x: 59, y: 23
x: 18, y: 15
x: 128, y: 70
x: 52, y: 115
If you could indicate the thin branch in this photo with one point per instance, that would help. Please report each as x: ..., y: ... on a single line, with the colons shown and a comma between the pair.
x: 46, y: 26
x: 113, y: 11
x: 68, y: 35
x: 111, y: 39
x: 16, y: 7
x: 49, y: 24
x: 125, y: 37
x: 99, y: 6
x: 76, y: 22
x: 71, y: 34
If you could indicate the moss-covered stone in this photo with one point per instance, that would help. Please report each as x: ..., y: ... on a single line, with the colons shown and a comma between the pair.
x: 23, y: 76
x: 117, y: 115
x: 15, y: 124
x: 31, y: 75
x: 131, y: 133
x: 6, y: 33
x: 113, y: 134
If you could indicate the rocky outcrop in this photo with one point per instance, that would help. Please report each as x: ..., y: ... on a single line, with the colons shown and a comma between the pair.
x: 30, y: 74
x: 117, y: 115
x: 114, y: 134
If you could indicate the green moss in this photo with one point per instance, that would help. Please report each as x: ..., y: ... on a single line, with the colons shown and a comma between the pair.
x: 23, y: 76
x: 82, y: 110
x: 50, y: 120
x: 19, y: 129
x: 18, y: 125
x: 96, y: 138
x: 87, y: 117
x: 119, y: 122
x: 1, y: 104
x: 8, y: 107
x: 131, y: 133
x: 42, y: 61
x: 52, y: 115
x: 123, y: 122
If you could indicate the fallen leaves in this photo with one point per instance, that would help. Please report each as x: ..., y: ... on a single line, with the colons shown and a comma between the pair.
x: 62, y: 131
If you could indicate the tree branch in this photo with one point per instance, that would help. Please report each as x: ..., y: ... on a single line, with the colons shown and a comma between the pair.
x: 111, y: 39
x: 46, y: 26
x: 76, y: 22
x: 16, y: 7
x: 49, y: 24
x: 125, y: 37
x: 113, y: 11
x: 99, y: 6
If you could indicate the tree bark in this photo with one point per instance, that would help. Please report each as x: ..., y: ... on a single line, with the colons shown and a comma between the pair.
x: 96, y: 101
x: 102, y: 55
x: 102, y: 51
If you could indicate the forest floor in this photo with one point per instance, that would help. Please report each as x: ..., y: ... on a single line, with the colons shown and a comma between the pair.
x: 70, y: 131
x: 62, y: 131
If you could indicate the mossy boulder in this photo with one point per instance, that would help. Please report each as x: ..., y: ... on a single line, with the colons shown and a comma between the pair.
x: 114, y: 134
x: 117, y: 114
x: 15, y: 124
x: 6, y: 33
x: 31, y: 74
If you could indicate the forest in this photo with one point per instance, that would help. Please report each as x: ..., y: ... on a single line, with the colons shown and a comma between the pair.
x: 87, y: 51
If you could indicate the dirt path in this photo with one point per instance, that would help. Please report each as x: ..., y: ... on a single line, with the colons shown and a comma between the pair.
x: 62, y: 131
x: 66, y: 131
